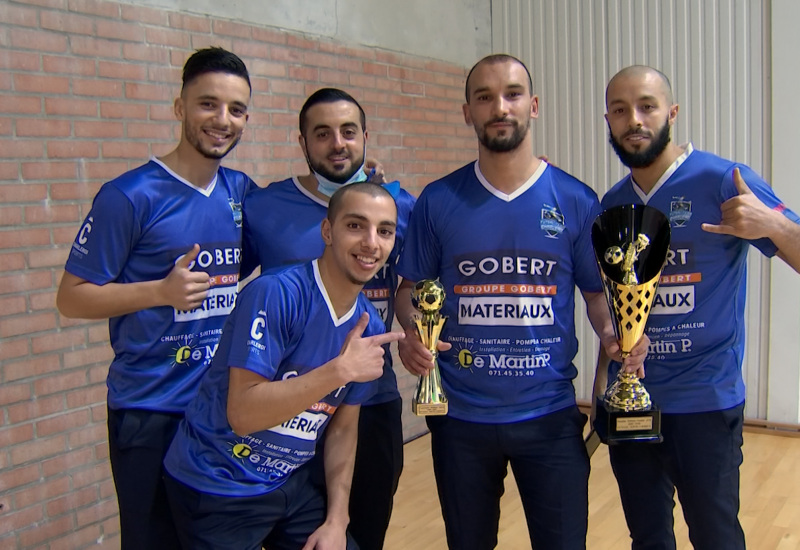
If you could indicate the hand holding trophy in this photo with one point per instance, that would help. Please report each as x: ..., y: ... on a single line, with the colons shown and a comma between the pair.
x: 631, y: 244
x: 428, y: 297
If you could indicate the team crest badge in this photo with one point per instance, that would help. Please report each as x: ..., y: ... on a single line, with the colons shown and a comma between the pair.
x: 236, y: 208
x: 680, y: 211
x: 552, y: 222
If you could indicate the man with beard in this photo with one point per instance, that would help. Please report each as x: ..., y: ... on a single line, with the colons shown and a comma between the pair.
x: 508, y: 238
x: 158, y: 255
x: 717, y: 209
x: 282, y: 227
x: 292, y: 363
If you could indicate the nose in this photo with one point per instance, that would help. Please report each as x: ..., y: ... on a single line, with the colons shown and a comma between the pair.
x: 222, y: 116
x: 370, y: 240
x: 635, y: 119
x: 338, y: 140
x: 500, y: 107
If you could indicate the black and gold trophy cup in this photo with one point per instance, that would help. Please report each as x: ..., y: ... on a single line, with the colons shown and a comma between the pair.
x: 631, y: 244
x: 428, y: 297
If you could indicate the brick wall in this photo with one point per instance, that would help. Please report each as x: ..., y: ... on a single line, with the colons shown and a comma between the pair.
x: 86, y: 89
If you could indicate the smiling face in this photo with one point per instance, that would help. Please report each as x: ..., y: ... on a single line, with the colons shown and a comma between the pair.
x: 333, y: 140
x: 360, y: 237
x: 213, y: 112
x: 640, y: 116
x: 500, y: 105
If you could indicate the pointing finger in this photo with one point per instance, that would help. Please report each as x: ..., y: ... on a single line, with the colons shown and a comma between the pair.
x: 381, y: 339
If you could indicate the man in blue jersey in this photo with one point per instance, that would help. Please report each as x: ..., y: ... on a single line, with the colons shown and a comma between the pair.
x: 717, y: 209
x: 291, y: 363
x: 282, y: 227
x: 508, y: 237
x: 159, y: 255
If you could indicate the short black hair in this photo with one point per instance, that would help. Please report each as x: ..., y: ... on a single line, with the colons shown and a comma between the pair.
x: 368, y: 188
x: 329, y: 95
x: 213, y: 60
x: 497, y: 58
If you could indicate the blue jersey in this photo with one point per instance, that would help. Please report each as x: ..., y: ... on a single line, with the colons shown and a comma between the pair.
x: 283, y: 326
x: 509, y: 265
x: 282, y: 227
x: 139, y: 225
x: 696, y: 325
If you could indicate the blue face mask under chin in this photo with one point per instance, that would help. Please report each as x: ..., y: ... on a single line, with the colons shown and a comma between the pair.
x: 328, y: 188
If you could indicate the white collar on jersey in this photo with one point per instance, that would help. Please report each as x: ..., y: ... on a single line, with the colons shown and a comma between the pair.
x: 308, y: 193
x: 687, y: 150
x: 207, y: 191
x: 503, y: 196
x: 337, y: 321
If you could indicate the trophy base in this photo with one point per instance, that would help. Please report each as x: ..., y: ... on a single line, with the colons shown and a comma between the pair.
x: 615, y: 426
x: 429, y: 409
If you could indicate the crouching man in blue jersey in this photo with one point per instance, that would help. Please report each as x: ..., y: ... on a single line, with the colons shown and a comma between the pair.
x: 281, y: 227
x: 292, y: 362
x: 717, y: 209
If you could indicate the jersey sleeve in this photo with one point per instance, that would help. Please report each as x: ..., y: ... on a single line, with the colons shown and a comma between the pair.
x: 262, y: 324
x: 106, y: 237
x: 420, y: 257
x: 249, y: 245
x: 587, y: 275
x: 764, y: 192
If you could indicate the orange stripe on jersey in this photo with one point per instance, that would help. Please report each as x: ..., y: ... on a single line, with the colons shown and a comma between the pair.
x: 680, y: 278
x: 324, y: 407
x: 374, y: 293
x: 518, y: 289
x: 230, y: 279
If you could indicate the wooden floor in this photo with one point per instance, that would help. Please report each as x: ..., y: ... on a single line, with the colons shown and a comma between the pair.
x: 770, y: 502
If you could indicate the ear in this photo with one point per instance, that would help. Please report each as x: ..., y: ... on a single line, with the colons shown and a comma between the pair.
x: 673, y: 114
x: 178, y: 108
x: 302, y: 141
x: 326, y: 230
x: 535, y: 106
x: 467, y: 117
x: 366, y: 136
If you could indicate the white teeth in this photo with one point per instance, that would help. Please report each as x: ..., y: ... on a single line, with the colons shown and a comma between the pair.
x: 217, y: 135
x: 364, y: 259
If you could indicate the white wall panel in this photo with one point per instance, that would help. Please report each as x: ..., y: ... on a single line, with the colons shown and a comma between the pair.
x: 716, y: 55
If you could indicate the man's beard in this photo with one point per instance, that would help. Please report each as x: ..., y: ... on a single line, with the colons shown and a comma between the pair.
x: 192, y: 135
x: 503, y: 144
x: 213, y: 155
x: 645, y: 157
x: 336, y: 177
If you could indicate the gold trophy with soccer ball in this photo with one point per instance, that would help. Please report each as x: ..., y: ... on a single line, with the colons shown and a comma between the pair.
x: 428, y: 297
x: 631, y: 244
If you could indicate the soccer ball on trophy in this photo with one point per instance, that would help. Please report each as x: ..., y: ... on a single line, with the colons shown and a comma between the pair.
x: 428, y: 296
x: 614, y: 255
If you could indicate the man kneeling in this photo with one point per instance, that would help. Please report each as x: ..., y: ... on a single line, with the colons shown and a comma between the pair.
x: 292, y: 362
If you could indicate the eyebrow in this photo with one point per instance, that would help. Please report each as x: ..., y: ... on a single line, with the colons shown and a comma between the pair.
x: 215, y: 98
x: 328, y: 126
x: 641, y: 98
x: 355, y: 216
x: 513, y: 86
